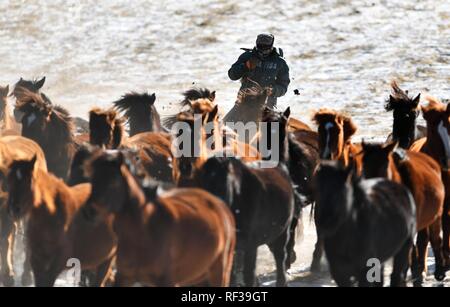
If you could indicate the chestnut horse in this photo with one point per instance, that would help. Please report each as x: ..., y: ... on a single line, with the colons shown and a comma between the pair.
x: 437, y: 146
x: 154, y: 148
x: 362, y: 220
x: 57, y: 230
x: 141, y: 113
x: 50, y: 126
x: 422, y: 175
x: 9, y: 125
x: 182, y: 237
x: 11, y: 148
x: 405, y: 111
x: 335, y: 131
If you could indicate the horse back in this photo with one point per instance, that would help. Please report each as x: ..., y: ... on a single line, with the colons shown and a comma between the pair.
x: 422, y: 175
x: 16, y: 147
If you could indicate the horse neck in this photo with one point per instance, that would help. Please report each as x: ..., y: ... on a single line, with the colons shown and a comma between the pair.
x: 7, y: 125
x: 135, y: 196
x: 393, y: 172
x: 405, y: 137
x: 52, y: 195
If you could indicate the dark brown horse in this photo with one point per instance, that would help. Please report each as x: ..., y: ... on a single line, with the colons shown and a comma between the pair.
x: 421, y: 175
x: 141, y: 113
x: 33, y: 86
x: 437, y: 146
x: 56, y: 230
x: 11, y: 148
x: 182, y: 237
x: 50, y: 126
x: 262, y: 201
x: 405, y: 110
x: 105, y: 128
x: 335, y: 131
x: 363, y: 220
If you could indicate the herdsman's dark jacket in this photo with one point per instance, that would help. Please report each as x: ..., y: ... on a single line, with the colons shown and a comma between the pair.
x: 270, y: 71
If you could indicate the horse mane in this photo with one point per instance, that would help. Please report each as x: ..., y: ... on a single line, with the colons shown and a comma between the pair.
x: 326, y: 115
x: 198, y: 101
x: 433, y: 104
x: 195, y: 94
x: 399, y: 97
x: 132, y: 104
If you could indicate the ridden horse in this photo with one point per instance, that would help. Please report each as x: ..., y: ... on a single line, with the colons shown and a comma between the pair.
x: 141, y: 113
x: 57, y: 230
x: 437, y: 146
x: 11, y: 148
x: 50, y: 126
x: 334, y: 137
x: 262, y: 201
x: 9, y: 125
x: 154, y: 148
x: 182, y: 237
x: 361, y: 220
x: 405, y: 111
x: 422, y: 176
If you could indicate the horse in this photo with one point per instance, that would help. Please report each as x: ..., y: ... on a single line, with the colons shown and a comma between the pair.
x: 141, y: 113
x: 422, y: 176
x: 405, y: 111
x: 181, y: 237
x: 154, y: 148
x: 33, y: 86
x: 334, y: 139
x: 9, y: 125
x: 51, y: 126
x: 13, y: 147
x: 57, y: 229
x: 361, y: 220
x: 262, y: 217
x: 437, y: 146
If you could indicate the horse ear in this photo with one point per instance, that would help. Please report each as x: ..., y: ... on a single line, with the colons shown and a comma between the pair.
x: 391, y: 146
x: 349, y: 128
x: 212, y: 96
x: 287, y: 112
x: 6, y: 90
x: 416, y: 100
x: 40, y: 83
x: 152, y: 98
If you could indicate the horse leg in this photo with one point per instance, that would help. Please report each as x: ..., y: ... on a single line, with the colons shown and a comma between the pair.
x: 7, y: 234
x: 317, y: 255
x: 420, y: 257
x: 401, y: 264
x: 446, y: 233
x: 27, y: 274
x: 340, y: 274
x: 237, y: 271
x: 436, y: 244
x: 102, y: 273
x: 45, y: 275
x: 291, y: 255
x: 250, y: 266
x: 279, y: 251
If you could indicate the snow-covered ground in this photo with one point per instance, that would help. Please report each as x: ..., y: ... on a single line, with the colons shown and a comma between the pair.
x: 342, y: 54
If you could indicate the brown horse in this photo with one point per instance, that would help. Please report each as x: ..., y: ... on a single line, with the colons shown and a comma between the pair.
x: 9, y: 125
x: 182, y: 237
x: 154, y: 148
x: 422, y: 175
x: 105, y: 128
x: 57, y: 230
x: 437, y: 146
x: 141, y: 113
x: 11, y: 148
x: 335, y: 131
x: 50, y: 126
x: 405, y: 111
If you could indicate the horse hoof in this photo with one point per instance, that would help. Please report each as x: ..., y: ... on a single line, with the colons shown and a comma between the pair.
x: 315, y: 267
x: 439, y: 274
x: 8, y: 281
x: 417, y: 283
x: 27, y: 280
